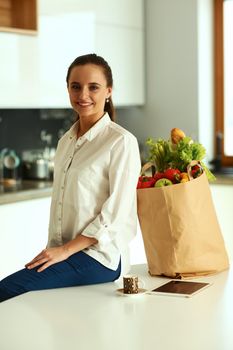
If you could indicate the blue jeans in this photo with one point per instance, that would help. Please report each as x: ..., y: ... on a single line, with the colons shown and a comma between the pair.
x: 79, y: 269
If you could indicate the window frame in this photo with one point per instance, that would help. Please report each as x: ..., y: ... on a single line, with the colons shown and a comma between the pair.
x: 219, y: 82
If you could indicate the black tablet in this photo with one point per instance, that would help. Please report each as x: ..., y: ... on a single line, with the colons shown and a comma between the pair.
x: 180, y: 288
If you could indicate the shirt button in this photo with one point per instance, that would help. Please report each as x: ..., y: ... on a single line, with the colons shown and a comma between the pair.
x: 59, y: 203
x: 59, y: 219
x: 62, y: 187
x: 71, y: 137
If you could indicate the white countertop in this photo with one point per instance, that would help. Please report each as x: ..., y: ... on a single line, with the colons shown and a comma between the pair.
x: 96, y: 318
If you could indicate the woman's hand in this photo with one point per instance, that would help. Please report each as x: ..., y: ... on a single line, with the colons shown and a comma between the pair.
x: 54, y: 255
x: 48, y: 257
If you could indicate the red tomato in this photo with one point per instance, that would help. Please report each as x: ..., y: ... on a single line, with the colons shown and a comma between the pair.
x: 158, y: 176
x: 172, y: 174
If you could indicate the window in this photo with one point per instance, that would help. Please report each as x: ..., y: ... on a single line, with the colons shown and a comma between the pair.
x: 223, y: 19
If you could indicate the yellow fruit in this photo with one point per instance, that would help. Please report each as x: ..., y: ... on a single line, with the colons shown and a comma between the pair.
x: 177, y: 135
x: 185, y: 179
x: 184, y: 176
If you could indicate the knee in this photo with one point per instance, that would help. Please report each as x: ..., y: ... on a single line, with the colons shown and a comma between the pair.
x: 10, y: 287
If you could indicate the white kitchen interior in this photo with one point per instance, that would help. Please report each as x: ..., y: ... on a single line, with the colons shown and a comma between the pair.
x: 161, y: 54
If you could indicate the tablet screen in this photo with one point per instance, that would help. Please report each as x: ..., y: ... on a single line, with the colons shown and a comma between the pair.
x: 183, y: 288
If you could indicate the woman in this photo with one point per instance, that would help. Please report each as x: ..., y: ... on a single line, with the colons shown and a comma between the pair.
x: 93, y: 208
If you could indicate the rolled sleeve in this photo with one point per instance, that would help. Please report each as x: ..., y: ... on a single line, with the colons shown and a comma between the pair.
x: 99, y: 231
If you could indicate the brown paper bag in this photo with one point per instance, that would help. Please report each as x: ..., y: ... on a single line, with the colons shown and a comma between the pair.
x: 180, y: 230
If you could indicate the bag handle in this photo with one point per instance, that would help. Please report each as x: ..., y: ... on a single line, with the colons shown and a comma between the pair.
x: 151, y: 166
x: 147, y: 166
x: 189, y: 168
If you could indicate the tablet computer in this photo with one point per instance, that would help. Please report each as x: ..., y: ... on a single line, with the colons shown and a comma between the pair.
x: 180, y: 288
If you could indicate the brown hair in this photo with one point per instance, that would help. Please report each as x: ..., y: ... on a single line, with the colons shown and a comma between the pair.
x: 98, y: 61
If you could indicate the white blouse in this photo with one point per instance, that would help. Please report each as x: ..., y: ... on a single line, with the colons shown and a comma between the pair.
x: 94, y: 191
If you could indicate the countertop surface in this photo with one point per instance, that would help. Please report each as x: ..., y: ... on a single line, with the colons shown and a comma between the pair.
x: 32, y: 189
x: 96, y: 317
x: 223, y: 179
x: 25, y: 190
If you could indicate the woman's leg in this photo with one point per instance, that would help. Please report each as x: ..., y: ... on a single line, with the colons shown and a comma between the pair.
x: 78, y: 269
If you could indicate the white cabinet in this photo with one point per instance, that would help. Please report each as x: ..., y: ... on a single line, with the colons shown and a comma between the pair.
x: 223, y: 201
x: 23, y: 234
x: 61, y: 39
x: 122, y: 47
x: 114, y: 12
x: 34, y: 67
x: 17, y: 73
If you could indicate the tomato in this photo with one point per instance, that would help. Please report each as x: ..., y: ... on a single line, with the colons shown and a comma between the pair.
x: 158, y: 176
x: 172, y: 175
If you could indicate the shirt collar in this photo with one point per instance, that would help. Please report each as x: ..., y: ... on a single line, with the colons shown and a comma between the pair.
x: 94, y: 130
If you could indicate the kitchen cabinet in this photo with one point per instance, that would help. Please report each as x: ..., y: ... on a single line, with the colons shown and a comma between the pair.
x: 122, y: 47
x: 121, y: 12
x: 18, y: 16
x: 55, y: 52
x: 223, y: 201
x: 24, y: 231
x: 35, y: 67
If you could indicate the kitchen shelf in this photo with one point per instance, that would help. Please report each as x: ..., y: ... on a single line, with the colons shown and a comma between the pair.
x: 18, y: 16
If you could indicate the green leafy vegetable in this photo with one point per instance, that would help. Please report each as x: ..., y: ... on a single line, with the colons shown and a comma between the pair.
x: 165, y: 154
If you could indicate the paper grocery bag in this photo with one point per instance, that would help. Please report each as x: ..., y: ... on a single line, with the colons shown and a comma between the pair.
x: 180, y: 230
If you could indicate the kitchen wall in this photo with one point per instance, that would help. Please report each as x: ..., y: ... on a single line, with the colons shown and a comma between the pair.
x: 179, y: 73
x: 179, y: 65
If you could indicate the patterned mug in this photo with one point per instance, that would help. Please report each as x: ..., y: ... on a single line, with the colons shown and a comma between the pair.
x: 131, y: 284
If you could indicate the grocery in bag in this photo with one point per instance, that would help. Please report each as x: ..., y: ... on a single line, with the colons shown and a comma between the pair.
x: 181, y: 233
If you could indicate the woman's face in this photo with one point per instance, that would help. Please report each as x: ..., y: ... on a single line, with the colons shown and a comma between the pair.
x: 88, y: 91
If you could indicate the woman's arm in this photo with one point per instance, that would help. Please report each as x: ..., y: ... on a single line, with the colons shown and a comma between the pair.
x: 54, y: 255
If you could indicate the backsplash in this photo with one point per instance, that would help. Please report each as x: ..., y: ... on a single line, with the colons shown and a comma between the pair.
x: 34, y: 129
x: 24, y: 129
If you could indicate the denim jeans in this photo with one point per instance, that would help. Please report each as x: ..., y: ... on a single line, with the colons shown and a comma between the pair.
x: 78, y: 269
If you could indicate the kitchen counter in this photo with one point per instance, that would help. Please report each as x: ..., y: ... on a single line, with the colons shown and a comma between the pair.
x: 25, y: 190
x: 223, y: 179
x: 32, y: 189
x: 95, y: 317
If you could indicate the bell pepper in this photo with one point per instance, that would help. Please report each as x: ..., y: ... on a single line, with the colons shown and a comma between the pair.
x: 145, y: 182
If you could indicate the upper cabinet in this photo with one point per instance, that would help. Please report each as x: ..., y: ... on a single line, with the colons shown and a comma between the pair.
x: 35, y: 66
x: 18, y: 16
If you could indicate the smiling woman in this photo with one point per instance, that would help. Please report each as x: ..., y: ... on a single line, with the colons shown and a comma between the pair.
x: 88, y: 94
x: 93, y: 214
x: 96, y: 77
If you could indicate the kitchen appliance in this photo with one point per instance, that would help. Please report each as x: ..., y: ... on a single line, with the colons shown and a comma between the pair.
x: 38, y: 164
x: 10, y: 167
x: 37, y: 169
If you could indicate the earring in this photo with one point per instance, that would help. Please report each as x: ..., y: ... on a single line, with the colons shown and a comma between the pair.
x: 107, y: 100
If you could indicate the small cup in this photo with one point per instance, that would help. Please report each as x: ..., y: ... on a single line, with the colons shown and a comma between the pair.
x: 131, y: 284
